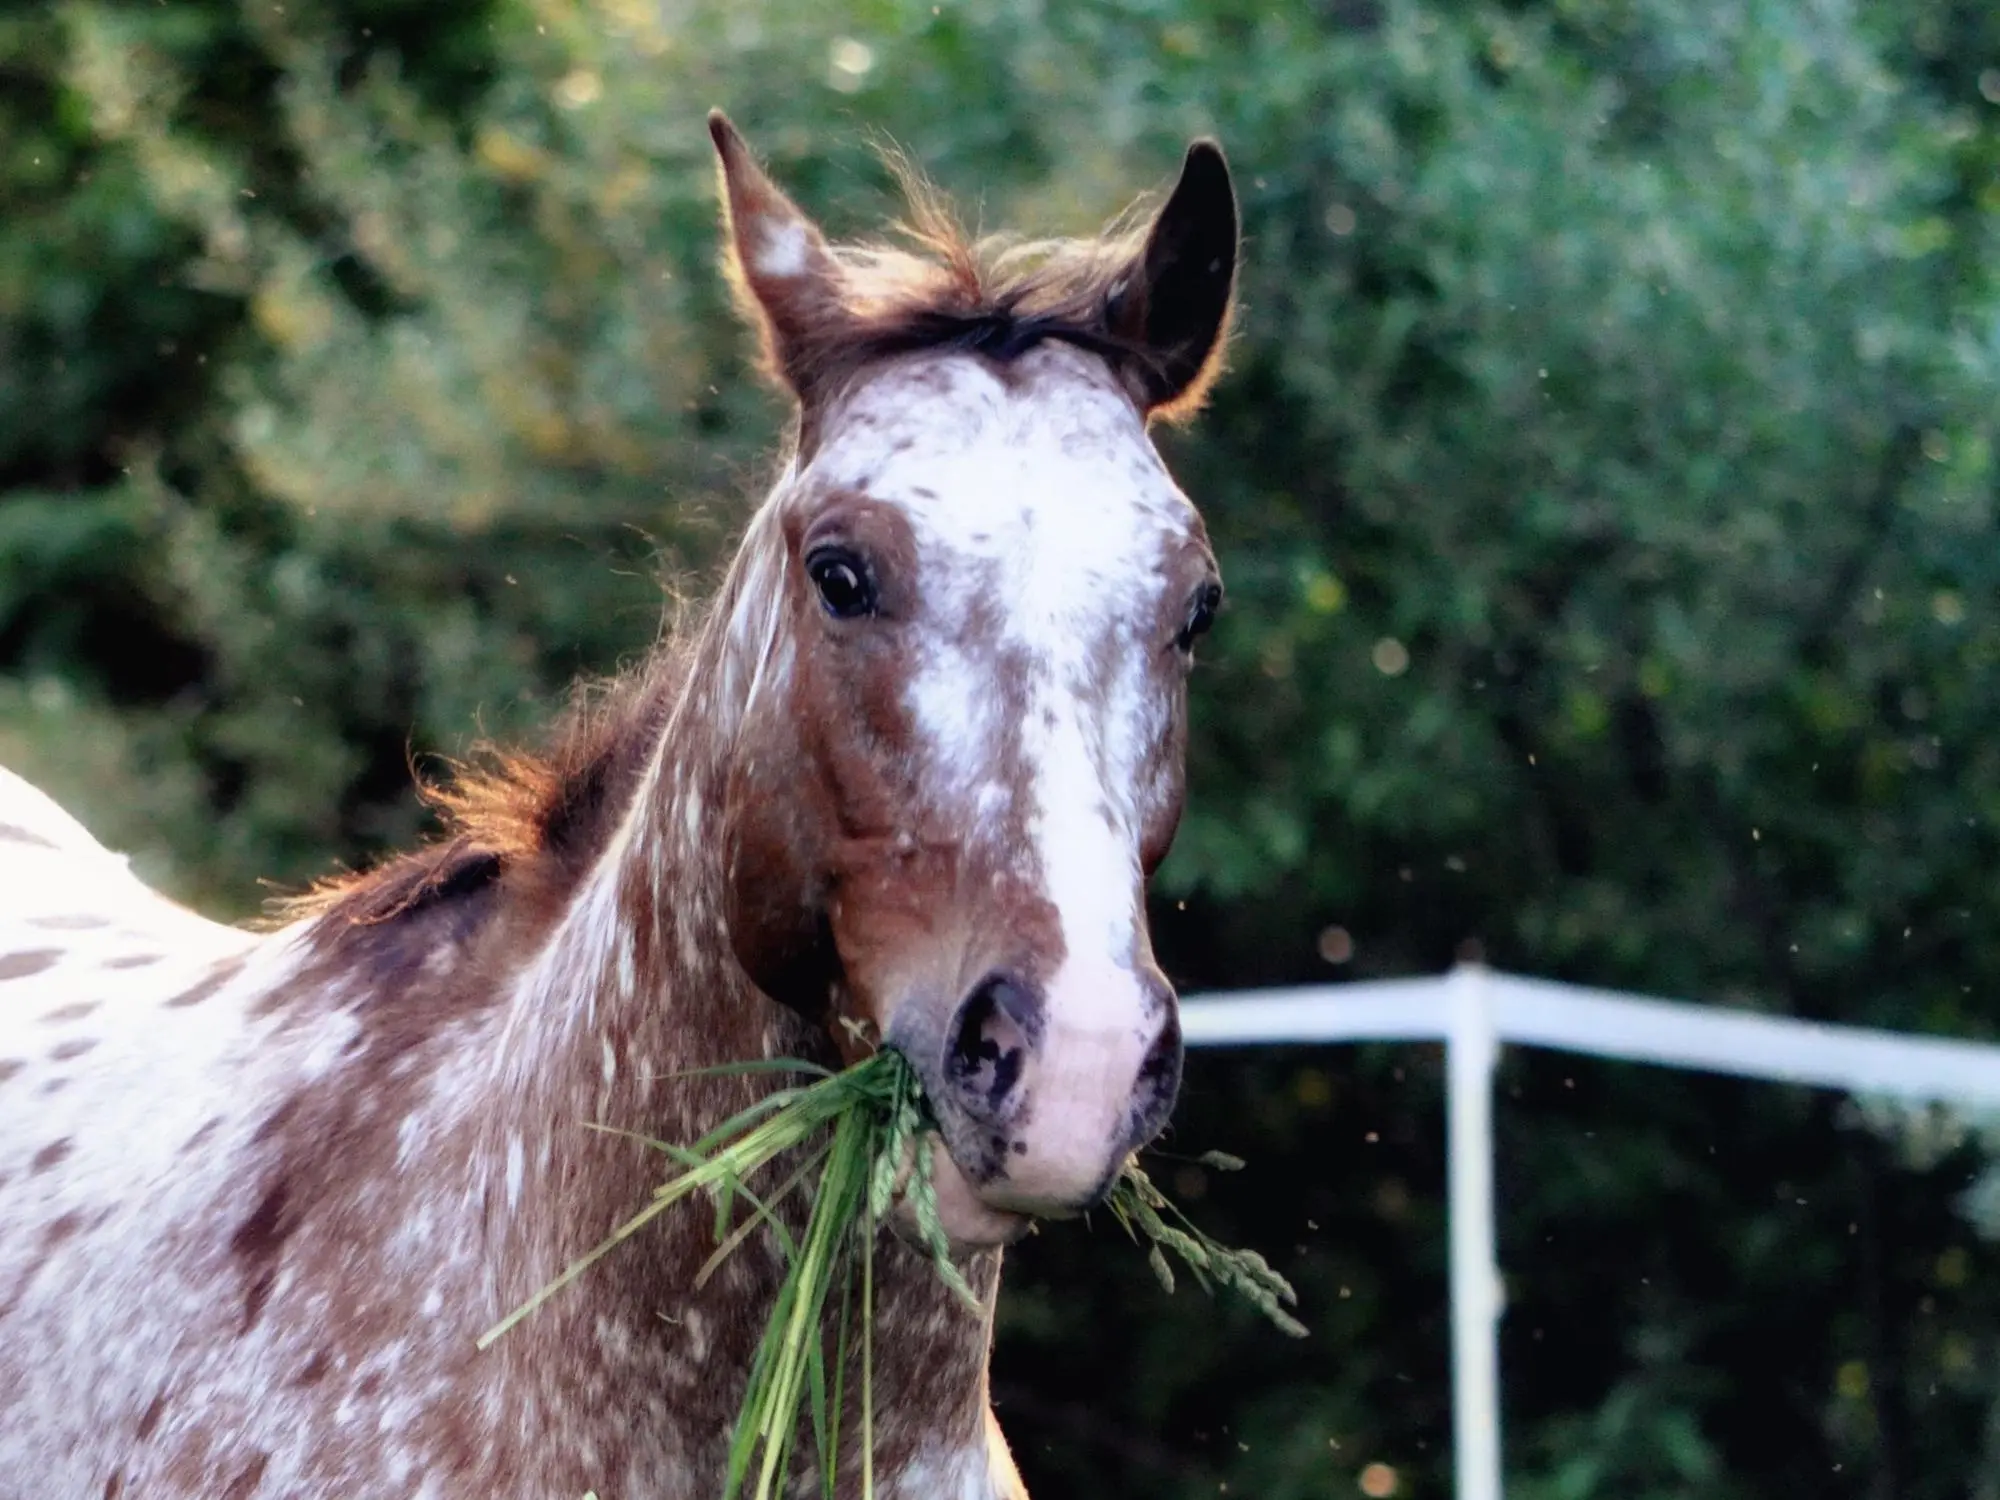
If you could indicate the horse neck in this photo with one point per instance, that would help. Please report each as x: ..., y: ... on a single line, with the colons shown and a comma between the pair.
x: 638, y: 987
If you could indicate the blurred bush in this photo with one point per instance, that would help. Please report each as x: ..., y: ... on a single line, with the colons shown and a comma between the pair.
x: 1606, y: 487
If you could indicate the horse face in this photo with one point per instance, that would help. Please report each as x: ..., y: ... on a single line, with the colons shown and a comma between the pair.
x: 975, y: 755
x: 962, y: 752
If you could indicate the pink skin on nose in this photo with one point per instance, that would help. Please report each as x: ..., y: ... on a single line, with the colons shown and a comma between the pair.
x: 1082, y: 1089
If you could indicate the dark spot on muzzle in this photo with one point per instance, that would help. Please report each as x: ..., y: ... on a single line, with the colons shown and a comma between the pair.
x: 995, y: 1028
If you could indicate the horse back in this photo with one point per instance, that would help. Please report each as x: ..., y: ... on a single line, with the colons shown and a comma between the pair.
x: 129, y: 1080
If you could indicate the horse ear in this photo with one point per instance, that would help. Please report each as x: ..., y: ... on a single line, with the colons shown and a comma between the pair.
x: 785, y: 278
x: 1174, y: 301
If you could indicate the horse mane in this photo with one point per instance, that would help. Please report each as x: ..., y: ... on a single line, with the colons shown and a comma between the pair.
x: 502, y: 807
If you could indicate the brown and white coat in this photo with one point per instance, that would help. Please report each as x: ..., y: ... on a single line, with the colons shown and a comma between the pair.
x: 909, y: 771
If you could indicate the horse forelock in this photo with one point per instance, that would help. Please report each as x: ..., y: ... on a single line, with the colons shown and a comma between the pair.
x: 937, y: 287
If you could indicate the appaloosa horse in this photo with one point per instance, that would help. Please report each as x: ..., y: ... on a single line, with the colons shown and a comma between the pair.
x: 258, y: 1193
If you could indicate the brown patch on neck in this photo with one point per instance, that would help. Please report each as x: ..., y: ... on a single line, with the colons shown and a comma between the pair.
x: 32, y: 961
x: 931, y: 1357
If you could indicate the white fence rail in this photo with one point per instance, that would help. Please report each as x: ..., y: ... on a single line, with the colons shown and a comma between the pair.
x: 1475, y: 1011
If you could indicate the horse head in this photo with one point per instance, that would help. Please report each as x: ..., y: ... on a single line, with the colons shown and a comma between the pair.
x: 960, y: 754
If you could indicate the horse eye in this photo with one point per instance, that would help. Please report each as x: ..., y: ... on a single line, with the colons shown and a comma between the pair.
x: 1206, y: 603
x: 843, y: 582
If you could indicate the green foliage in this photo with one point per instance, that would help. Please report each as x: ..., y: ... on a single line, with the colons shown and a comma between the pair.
x: 1606, y: 489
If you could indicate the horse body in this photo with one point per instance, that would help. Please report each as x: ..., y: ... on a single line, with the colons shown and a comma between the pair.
x: 258, y: 1194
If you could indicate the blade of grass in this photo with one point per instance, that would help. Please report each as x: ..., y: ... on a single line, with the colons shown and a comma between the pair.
x: 829, y: 1453
x: 761, y: 1213
x: 868, y: 1357
x: 1142, y: 1208
x: 757, y: 1065
x: 771, y: 1409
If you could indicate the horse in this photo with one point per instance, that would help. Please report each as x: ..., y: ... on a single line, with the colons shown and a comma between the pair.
x: 901, y: 783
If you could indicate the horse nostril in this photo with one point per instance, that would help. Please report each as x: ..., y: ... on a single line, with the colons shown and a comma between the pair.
x: 990, y: 1038
x: 1158, y: 1083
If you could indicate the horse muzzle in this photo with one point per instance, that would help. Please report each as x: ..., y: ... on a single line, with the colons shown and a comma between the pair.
x: 1041, y: 1093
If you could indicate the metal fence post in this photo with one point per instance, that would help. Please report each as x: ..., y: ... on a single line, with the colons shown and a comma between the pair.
x: 1471, y: 1051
